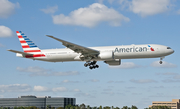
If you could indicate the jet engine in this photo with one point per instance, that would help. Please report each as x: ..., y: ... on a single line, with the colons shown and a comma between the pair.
x: 113, y: 62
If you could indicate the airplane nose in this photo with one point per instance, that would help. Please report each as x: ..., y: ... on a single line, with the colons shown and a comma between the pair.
x: 171, y: 51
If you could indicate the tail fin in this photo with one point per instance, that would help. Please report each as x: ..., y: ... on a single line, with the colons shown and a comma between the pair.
x: 28, y: 46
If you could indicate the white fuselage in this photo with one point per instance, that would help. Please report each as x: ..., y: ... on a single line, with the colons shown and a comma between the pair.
x: 118, y: 52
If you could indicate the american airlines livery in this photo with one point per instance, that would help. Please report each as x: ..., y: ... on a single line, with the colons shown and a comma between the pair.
x: 111, y: 55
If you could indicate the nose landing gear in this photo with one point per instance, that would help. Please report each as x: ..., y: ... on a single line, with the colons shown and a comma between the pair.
x: 92, y: 65
x: 161, y: 60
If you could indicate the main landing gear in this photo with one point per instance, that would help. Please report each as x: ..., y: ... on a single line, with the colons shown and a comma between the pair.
x: 92, y: 65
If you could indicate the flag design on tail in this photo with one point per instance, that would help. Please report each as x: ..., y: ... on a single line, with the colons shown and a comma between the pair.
x: 152, y: 49
x: 28, y: 46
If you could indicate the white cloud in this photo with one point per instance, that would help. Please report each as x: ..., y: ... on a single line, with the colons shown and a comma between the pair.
x: 110, y: 1
x: 50, y: 10
x: 60, y: 89
x: 94, y: 80
x: 15, y: 88
x: 65, y: 81
x: 143, y: 81
x: 170, y: 80
x: 108, y: 93
x: 76, y: 90
x: 32, y: 69
x: 126, y: 65
x: 149, y: 7
x: 178, y: 12
x: 100, y: 1
x: 91, y: 16
x: 82, y: 94
x: 162, y: 95
x: 167, y: 73
x: 163, y: 65
x: 40, y: 88
x: 115, y: 81
x: 7, y: 8
x: 1, y: 45
x: 68, y: 81
x: 38, y: 71
x: 124, y: 3
x: 5, y: 31
x: 65, y: 73
x: 177, y: 77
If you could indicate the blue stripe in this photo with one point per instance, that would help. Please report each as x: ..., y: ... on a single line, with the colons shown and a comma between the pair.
x: 32, y: 46
x: 29, y: 41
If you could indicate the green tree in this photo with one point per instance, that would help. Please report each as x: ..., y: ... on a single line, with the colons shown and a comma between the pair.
x: 100, y: 107
x: 126, y: 107
x: 94, y: 108
x: 88, y: 107
x: 117, y: 108
x: 133, y: 107
x: 68, y: 106
x: 82, y: 106
x: 48, y: 106
x: 72, y: 107
x: 60, y: 108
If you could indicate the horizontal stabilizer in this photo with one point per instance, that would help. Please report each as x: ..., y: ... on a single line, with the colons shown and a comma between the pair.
x: 20, y: 52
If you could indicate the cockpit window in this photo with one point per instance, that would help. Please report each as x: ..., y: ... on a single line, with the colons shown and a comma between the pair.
x: 168, y: 47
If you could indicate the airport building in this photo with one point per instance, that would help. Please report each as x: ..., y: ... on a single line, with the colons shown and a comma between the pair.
x: 39, y: 102
x: 174, y: 104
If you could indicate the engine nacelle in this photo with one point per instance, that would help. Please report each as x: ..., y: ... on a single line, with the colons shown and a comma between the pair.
x: 113, y: 62
x: 107, y: 55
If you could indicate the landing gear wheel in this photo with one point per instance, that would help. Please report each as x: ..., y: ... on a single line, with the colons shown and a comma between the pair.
x: 160, y: 62
x: 85, y: 64
x: 97, y: 66
x: 91, y: 67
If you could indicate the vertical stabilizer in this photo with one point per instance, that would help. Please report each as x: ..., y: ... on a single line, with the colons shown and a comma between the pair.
x: 28, y: 46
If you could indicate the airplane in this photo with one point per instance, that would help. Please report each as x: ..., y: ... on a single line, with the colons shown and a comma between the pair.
x: 111, y: 55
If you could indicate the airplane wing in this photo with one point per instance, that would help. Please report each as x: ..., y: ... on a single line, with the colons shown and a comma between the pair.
x: 23, y: 53
x: 76, y: 48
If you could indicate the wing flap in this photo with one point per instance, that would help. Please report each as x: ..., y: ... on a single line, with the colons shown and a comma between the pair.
x: 76, y: 48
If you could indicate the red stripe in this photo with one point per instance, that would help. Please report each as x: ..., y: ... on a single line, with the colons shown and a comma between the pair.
x: 152, y: 49
x: 38, y: 55
x: 32, y: 51
x: 17, y: 31
x: 35, y: 55
x: 25, y: 46
x: 20, y: 37
x: 22, y: 41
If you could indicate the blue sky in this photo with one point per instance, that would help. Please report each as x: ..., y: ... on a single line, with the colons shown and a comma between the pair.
x: 91, y: 23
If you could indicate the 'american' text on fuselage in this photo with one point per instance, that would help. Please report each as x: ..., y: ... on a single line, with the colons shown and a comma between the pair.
x: 133, y: 49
